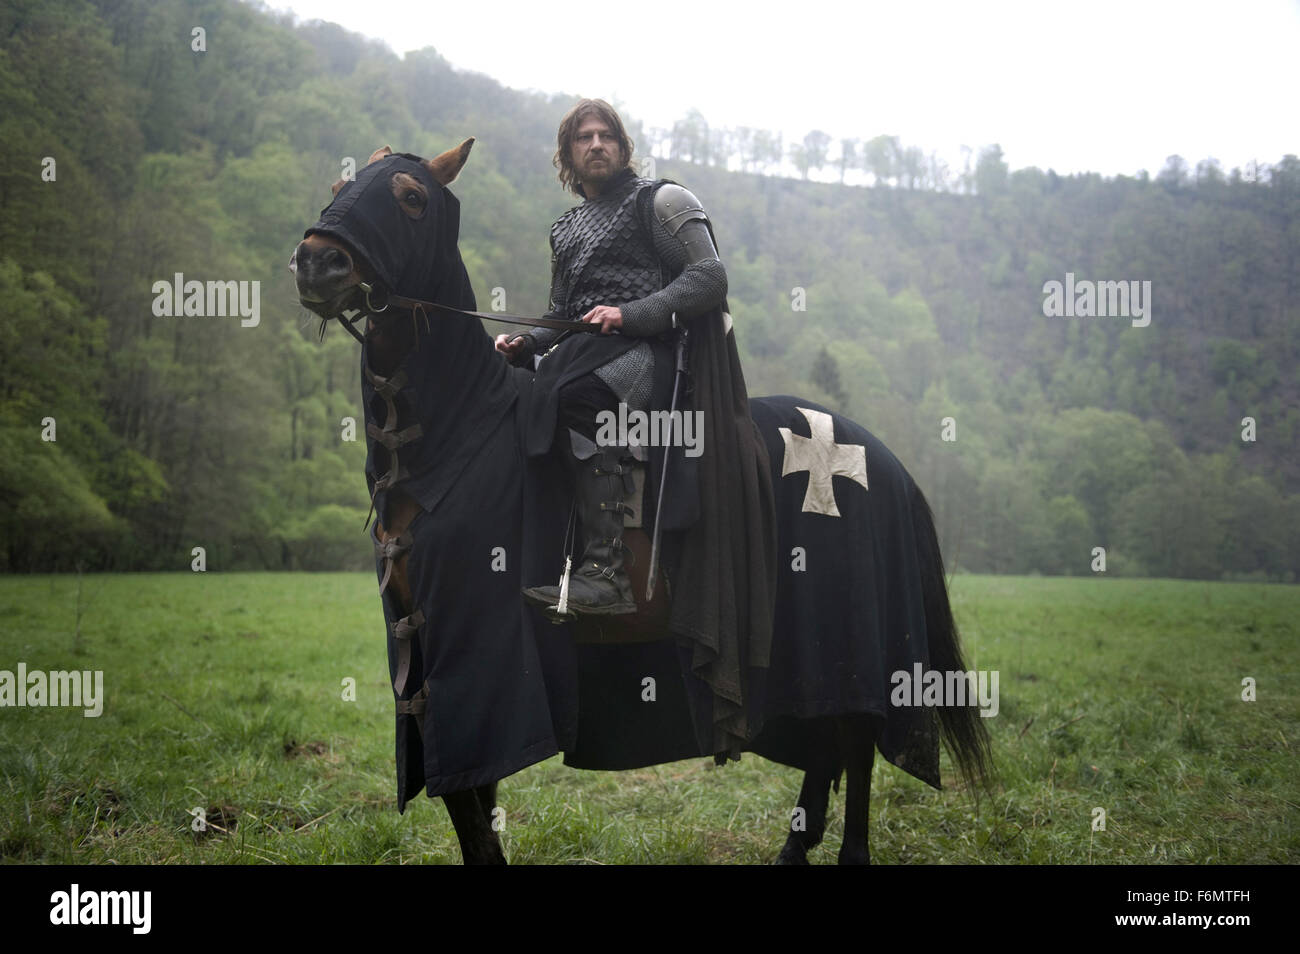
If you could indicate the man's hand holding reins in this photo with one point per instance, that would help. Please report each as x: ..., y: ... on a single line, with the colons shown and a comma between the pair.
x: 511, y: 345
x: 607, y: 316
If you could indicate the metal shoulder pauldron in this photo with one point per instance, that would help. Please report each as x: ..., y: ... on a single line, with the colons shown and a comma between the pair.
x: 682, y: 215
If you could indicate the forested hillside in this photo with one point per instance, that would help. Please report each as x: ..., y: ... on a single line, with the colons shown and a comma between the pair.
x: 914, y: 305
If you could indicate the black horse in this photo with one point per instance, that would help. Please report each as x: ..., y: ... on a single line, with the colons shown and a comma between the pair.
x: 500, y: 688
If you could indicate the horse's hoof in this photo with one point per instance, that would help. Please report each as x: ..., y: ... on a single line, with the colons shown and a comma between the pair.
x: 792, y: 855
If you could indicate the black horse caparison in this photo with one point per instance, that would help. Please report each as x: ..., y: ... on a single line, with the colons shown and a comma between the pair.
x: 346, y: 266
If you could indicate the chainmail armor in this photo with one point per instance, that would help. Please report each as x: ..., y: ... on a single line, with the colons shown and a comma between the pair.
x: 600, y: 256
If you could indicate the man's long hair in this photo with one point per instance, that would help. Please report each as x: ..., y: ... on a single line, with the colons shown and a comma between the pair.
x: 563, y: 160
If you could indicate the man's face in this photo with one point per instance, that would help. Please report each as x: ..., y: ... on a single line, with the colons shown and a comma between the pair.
x: 596, y: 154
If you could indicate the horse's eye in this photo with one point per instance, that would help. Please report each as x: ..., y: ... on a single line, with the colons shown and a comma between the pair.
x: 414, y: 199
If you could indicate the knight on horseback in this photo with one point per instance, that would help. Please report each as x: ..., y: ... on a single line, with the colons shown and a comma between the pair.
x: 637, y: 258
x: 458, y: 453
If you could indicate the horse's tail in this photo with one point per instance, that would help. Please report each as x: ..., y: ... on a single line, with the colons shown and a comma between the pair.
x: 962, y: 726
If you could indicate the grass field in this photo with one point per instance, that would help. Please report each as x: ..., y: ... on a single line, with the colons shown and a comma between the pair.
x: 225, y: 692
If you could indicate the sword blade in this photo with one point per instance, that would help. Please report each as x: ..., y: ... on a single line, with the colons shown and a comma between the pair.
x: 653, y: 575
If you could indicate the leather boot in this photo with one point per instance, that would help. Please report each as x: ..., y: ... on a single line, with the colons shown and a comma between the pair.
x: 598, y: 586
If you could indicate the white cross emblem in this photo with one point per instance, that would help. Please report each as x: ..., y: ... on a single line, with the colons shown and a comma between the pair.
x: 823, y: 459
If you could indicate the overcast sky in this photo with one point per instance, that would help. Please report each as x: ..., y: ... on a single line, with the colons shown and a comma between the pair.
x: 1110, y: 87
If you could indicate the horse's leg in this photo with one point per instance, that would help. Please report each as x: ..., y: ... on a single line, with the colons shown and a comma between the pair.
x: 487, y: 797
x: 813, y: 797
x: 857, y: 736
x: 809, y: 825
x: 478, y: 842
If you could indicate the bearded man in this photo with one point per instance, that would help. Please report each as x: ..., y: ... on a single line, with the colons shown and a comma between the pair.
x: 638, y: 259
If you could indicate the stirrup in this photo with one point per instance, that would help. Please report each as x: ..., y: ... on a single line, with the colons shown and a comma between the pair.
x: 557, y: 618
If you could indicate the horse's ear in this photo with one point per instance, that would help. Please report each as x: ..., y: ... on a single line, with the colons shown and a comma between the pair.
x: 446, y: 168
x: 379, y: 153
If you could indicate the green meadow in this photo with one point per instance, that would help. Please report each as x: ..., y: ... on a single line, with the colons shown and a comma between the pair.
x: 225, y: 692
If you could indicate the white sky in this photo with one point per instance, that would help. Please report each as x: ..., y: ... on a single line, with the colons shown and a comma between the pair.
x: 1110, y: 87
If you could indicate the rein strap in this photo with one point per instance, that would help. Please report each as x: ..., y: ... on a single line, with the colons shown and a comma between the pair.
x: 416, y: 304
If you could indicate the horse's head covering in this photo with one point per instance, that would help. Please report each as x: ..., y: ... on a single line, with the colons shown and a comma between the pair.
x: 409, y: 255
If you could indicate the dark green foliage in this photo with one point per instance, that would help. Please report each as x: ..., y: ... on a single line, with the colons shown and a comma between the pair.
x: 902, y: 305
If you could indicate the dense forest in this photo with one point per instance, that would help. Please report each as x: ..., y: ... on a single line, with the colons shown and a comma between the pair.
x: 142, y: 140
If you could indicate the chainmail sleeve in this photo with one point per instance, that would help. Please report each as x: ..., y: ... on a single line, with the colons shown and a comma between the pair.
x: 696, y: 289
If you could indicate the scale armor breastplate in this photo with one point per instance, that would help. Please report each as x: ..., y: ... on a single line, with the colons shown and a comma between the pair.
x: 604, y: 252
